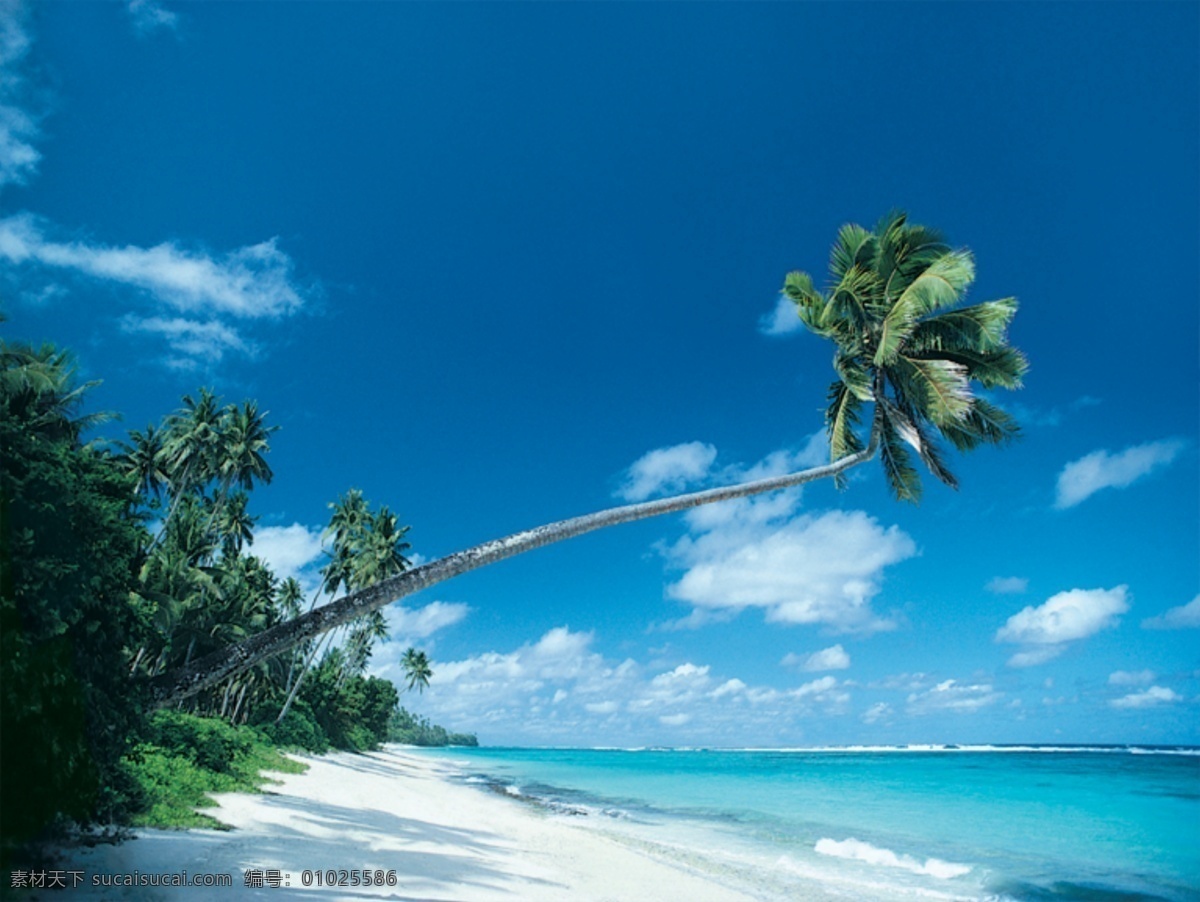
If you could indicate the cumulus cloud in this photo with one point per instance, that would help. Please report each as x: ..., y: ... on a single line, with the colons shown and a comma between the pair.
x: 560, y: 690
x: 1150, y: 698
x: 290, y: 551
x: 1063, y: 618
x: 1032, y: 657
x: 832, y: 658
x: 408, y: 625
x: 1128, y: 678
x: 954, y: 697
x: 782, y: 320
x: 1184, y: 617
x: 149, y: 16
x: 1007, y: 585
x: 797, y: 568
x: 1082, y: 478
x: 877, y: 712
x: 667, y: 470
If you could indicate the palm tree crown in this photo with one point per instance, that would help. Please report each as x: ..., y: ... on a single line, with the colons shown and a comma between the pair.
x: 416, y: 669
x: 903, y: 342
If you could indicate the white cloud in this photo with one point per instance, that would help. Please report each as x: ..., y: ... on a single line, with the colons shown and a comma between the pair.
x: 951, y: 696
x: 675, y: 720
x: 1007, y: 585
x: 1032, y: 657
x: 250, y: 282
x: 204, y: 294
x: 18, y: 129
x: 191, y: 340
x: 832, y: 658
x: 407, y: 626
x: 667, y: 470
x: 1184, y: 617
x: 798, y: 568
x: 289, y: 550
x: 1150, y: 698
x: 1082, y: 478
x: 877, y: 712
x: 559, y: 690
x: 1066, y: 617
x: 782, y: 320
x: 1127, y: 678
x: 149, y: 16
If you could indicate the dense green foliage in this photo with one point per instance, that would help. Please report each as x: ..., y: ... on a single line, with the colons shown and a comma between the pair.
x: 409, y: 729
x: 186, y: 757
x: 69, y: 548
x: 91, y: 603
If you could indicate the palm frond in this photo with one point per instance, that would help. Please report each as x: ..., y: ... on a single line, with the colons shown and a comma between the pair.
x: 911, y: 427
x: 849, y: 299
x: 938, y: 388
x: 982, y: 326
x: 1002, y: 368
x: 854, y: 246
x: 798, y: 288
x: 939, y: 285
x: 984, y: 423
x: 902, y: 478
x: 842, y: 421
x: 854, y: 375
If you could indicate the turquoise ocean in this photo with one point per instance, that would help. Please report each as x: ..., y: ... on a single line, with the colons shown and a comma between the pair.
x: 932, y: 822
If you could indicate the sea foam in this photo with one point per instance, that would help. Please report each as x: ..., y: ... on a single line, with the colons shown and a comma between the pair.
x: 857, y: 850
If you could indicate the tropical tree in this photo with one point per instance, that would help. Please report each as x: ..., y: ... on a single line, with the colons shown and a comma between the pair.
x: 902, y: 343
x: 69, y: 555
x: 366, y: 549
x: 416, y: 669
x: 142, y: 457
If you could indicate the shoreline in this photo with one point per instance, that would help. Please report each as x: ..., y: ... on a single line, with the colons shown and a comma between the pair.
x: 388, y: 811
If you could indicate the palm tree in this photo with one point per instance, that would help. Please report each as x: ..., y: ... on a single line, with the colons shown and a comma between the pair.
x: 367, y: 548
x: 239, y: 454
x: 901, y: 342
x: 190, y: 447
x: 39, y: 387
x: 416, y: 669
x: 142, y: 457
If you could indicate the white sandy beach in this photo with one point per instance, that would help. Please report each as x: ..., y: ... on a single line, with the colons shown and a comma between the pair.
x: 390, y: 810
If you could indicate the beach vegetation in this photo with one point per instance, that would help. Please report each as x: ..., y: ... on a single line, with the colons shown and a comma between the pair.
x: 185, y: 758
x: 122, y: 561
x: 409, y: 729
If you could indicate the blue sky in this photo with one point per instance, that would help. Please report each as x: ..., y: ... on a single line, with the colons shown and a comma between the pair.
x: 500, y: 264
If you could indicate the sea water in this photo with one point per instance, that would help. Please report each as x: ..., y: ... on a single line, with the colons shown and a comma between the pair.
x: 937, y: 822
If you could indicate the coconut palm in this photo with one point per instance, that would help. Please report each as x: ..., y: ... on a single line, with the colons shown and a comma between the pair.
x: 902, y: 344
x: 193, y: 435
x: 416, y: 669
x: 142, y: 457
x: 39, y: 387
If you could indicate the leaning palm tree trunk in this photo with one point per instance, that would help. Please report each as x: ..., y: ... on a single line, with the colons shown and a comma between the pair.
x: 213, y: 668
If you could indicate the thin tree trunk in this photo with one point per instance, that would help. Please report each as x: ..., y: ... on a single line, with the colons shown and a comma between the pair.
x: 238, y: 706
x: 287, y: 705
x: 219, y: 665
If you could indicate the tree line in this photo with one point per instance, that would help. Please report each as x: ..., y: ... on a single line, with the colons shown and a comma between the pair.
x: 122, y: 561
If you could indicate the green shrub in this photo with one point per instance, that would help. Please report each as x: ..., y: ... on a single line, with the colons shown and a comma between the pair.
x: 205, y: 741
